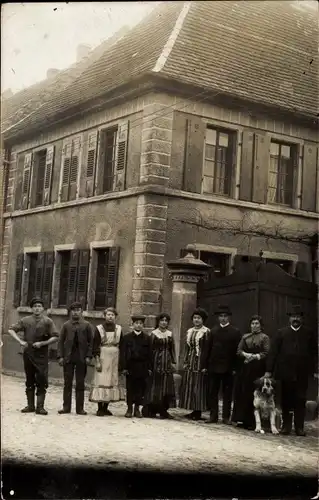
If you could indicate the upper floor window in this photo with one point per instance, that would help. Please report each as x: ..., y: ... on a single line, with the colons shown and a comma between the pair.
x: 107, y: 158
x: 70, y: 169
x: 42, y: 176
x: 218, y: 161
x: 280, y: 178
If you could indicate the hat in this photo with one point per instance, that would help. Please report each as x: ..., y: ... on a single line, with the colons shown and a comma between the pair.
x: 295, y: 310
x: 199, y: 311
x: 223, y: 309
x: 36, y: 300
x: 136, y: 317
x: 75, y: 305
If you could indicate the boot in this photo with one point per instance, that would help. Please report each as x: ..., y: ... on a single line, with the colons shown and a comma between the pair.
x: 137, y: 413
x: 30, y: 408
x: 107, y: 412
x: 213, y: 419
x: 79, y: 400
x: 129, y: 412
x: 100, y: 410
x: 197, y: 415
x: 40, y: 405
x: 299, y: 420
x: 286, y: 423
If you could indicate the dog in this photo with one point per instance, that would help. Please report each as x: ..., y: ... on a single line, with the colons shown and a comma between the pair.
x: 264, y: 405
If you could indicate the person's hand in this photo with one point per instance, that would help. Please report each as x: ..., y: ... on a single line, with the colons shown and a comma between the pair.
x: 150, y: 372
x: 88, y: 361
x: 61, y: 361
x: 204, y: 370
x: 124, y: 372
x: 23, y: 343
x: 37, y: 345
x: 98, y: 367
x: 173, y: 367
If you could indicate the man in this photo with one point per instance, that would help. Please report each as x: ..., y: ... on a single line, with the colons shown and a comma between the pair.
x: 292, y: 359
x: 220, y: 362
x: 39, y: 332
x: 74, y: 354
x: 135, y: 362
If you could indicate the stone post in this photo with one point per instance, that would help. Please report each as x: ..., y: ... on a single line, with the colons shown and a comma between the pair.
x: 185, y: 273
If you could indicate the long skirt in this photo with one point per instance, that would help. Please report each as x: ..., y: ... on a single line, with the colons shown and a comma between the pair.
x: 161, y: 390
x: 193, y: 394
x: 105, y: 387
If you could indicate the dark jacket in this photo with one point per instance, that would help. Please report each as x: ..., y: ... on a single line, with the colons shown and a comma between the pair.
x: 293, y: 354
x: 136, y: 354
x: 221, y: 349
x: 84, y: 332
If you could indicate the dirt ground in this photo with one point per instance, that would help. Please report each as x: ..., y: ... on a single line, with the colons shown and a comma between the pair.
x: 145, y: 444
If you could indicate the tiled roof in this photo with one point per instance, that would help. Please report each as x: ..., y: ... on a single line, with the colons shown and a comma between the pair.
x: 27, y: 101
x: 264, y: 51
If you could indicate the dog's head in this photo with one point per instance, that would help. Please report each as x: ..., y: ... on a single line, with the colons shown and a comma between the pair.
x: 266, y: 385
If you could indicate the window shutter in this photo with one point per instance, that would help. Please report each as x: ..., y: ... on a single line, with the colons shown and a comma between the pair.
x: 246, y: 174
x: 74, y: 168
x: 26, y: 181
x: 19, y: 182
x: 47, y: 279
x: 66, y: 164
x: 49, y: 161
x: 89, y: 164
x: 18, y: 280
x: 82, y: 279
x: 193, y: 172
x: 25, y: 280
x: 121, y: 157
x: 308, y: 193
x: 39, y: 274
x: 112, y: 276
x: 56, y: 280
x: 73, y: 268
x: 261, y: 167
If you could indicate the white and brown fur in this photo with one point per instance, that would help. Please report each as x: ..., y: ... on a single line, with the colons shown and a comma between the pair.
x: 264, y: 405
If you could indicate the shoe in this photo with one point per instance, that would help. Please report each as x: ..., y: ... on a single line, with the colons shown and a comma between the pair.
x: 211, y: 421
x: 137, y: 413
x: 285, y: 432
x: 300, y: 432
x: 197, y: 415
x: 166, y: 416
x: 190, y: 416
x: 81, y: 412
x: 41, y: 411
x: 227, y: 421
x: 100, y: 413
x: 40, y: 405
x: 63, y: 411
x: 128, y: 414
x: 28, y: 409
x: 108, y: 413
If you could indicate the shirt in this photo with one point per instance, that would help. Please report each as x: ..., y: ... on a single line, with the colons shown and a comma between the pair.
x: 224, y: 326
x: 36, y: 329
x: 295, y: 329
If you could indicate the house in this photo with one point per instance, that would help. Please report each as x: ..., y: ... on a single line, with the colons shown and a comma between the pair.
x: 198, y: 126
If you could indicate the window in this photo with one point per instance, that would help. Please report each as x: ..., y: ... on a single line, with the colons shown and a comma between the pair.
x: 108, y: 156
x: 33, y: 277
x: 107, y: 262
x: 70, y: 169
x: 72, y: 275
x: 280, y: 179
x: 218, y: 161
x: 218, y: 261
x: 286, y: 265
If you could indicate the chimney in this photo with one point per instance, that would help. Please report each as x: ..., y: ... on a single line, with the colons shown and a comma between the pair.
x: 52, y: 72
x: 82, y: 51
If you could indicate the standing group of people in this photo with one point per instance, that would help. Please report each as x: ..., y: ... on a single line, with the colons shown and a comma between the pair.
x: 215, y: 360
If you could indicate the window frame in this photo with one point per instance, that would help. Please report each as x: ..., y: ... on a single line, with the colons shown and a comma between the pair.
x: 69, y: 142
x: 101, y: 157
x: 294, y: 160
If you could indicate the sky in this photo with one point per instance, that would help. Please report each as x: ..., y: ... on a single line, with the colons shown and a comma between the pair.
x: 39, y: 36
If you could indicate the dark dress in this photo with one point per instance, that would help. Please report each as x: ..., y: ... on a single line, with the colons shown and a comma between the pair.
x: 194, y: 381
x: 136, y: 358
x: 292, y: 359
x: 253, y: 343
x: 161, y: 391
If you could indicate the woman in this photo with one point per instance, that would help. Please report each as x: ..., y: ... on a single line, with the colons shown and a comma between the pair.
x: 252, y: 352
x: 105, y: 384
x: 194, y: 378
x: 161, y: 393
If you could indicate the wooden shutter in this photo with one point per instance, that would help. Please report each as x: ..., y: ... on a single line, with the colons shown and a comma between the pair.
x: 309, y: 187
x: 39, y: 274
x: 82, y: 278
x: 47, y: 279
x: 112, y: 276
x: 19, y: 182
x: 26, y: 181
x: 73, y: 271
x: 56, y: 280
x: 246, y: 173
x: 121, y: 157
x: 261, y: 167
x: 193, y: 172
x: 49, y: 161
x: 74, y: 168
x: 25, y: 280
x: 89, y: 164
x: 18, y: 280
x: 66, y: 164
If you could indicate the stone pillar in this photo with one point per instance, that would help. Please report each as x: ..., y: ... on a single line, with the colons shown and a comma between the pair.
x: 185, y: 273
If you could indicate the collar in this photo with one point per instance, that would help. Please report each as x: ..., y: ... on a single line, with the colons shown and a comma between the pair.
x: 224, y: 326
x: 137, y: 333
x: 295, y: 329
